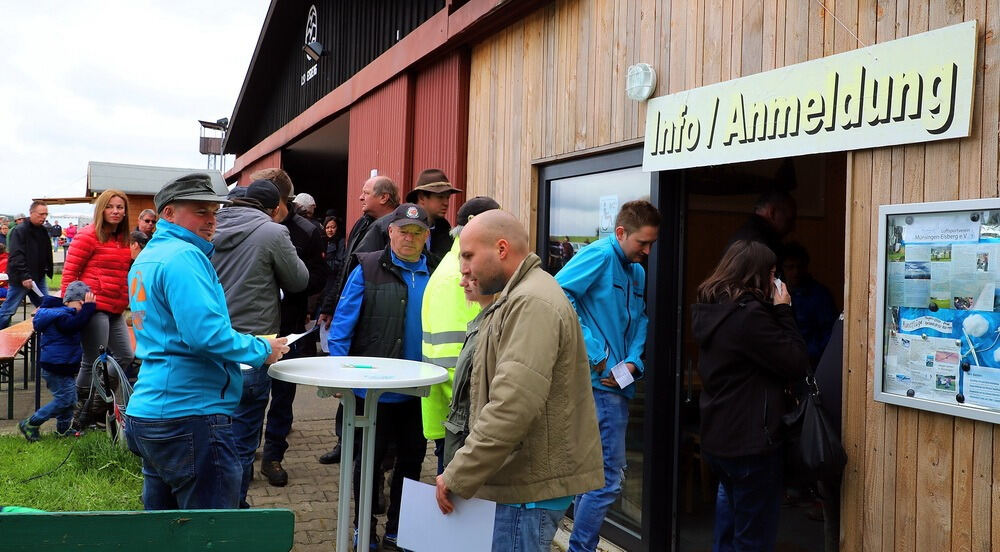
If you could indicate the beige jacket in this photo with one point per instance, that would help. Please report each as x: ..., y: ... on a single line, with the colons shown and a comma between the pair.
x: 533, y: 428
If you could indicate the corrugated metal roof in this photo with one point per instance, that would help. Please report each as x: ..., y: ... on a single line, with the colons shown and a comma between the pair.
x: 141, y: 179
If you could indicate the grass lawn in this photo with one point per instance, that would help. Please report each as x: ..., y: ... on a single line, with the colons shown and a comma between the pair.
x: 97, y: 475
x: 55, y: 282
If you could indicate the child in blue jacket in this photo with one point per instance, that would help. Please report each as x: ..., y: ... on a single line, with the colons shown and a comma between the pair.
x: 59, y: 322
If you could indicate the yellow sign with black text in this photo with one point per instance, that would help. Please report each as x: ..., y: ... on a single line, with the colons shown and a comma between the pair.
x: 915, y: 89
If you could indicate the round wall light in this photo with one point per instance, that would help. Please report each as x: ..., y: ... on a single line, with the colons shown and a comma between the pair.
x: 640, y: 81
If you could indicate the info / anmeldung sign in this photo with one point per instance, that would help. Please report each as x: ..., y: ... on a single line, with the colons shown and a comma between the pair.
x: 915, y: 89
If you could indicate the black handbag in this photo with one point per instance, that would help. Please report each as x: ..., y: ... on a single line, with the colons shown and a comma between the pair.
x: 813, y: 448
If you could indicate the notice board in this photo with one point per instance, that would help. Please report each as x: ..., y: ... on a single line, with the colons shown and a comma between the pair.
x: 938, y: 307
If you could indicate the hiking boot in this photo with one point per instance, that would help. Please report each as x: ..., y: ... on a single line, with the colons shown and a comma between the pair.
x: 332, y: 457
x: 29, y: 431
x: 389, y: 543
x: 275, y: 474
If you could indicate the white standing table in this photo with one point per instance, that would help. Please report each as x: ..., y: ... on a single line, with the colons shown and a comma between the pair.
x: 345, y: 374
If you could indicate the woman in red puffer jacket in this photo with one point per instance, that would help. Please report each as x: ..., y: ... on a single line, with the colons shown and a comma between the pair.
x: 100, y: 256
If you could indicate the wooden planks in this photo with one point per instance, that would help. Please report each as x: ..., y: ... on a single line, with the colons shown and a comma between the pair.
x: 552, y: 84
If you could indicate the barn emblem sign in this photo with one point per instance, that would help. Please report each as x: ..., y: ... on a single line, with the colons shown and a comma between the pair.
x: 312, y: 24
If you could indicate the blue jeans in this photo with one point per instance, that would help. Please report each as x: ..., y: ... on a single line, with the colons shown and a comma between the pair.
x: 520, y: 529
x: 590, y: 508
x: 748, y: 504
x: 188, y: 463
x: 63, y: 389
x: 279, y: 415
x: 15, y: 294
x: 248, y: 421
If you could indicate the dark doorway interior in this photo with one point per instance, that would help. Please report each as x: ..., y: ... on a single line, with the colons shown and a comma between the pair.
x: 717, y: 201
x: 318, y: 166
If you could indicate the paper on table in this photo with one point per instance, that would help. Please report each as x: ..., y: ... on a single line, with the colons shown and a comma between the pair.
x: 622, y: 375
x: 422, y: 526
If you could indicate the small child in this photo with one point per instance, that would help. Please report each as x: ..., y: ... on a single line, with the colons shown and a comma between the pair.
x: 59, y: 322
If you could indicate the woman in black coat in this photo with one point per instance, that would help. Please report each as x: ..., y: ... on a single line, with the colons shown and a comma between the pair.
x: 334, y: 254
x: 749, y: 351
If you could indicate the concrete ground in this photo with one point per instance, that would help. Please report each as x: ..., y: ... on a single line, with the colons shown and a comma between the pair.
x: 312, y: 487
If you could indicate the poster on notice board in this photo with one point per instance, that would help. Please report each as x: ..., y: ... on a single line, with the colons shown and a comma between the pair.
x: 938, y: 319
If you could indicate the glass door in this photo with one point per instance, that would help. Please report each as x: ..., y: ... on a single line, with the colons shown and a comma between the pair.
x: 578, y: 203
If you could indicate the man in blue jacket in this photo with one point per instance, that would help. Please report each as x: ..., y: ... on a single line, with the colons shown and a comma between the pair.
x: 379, y: 316
x: 606, y: 284
x: 180, y: 414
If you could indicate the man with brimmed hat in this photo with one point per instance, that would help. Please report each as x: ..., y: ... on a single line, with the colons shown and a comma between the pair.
x: 432, y: 193
x: 256, y: 261
x: 379, y: 315
x: 445, y: 317
x: 179, y: 416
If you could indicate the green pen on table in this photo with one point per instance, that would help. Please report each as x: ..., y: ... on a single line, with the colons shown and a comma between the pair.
x: 362, y: 366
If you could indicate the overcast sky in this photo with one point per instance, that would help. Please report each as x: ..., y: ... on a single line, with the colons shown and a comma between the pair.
x: 116, y: 81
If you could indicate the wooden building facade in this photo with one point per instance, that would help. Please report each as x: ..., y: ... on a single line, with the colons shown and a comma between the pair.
x: 546, y: 103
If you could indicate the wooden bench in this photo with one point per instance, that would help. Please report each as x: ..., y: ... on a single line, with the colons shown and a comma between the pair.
x: 167, y: 531
x: 16, y: 339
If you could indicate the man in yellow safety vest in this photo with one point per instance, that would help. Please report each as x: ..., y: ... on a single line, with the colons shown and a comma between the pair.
x: 445, y: 316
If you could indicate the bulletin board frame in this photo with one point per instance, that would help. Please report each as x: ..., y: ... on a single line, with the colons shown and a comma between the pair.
x: 886, y: 364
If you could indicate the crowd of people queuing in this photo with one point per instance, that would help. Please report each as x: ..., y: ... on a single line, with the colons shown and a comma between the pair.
x: 534, y: 413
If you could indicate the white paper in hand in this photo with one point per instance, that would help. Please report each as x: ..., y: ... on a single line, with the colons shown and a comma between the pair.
x: 36, y: 289
x: 422, y: 526
x: 324, y: 334
x: 622, y: 375
x: 292, y: 338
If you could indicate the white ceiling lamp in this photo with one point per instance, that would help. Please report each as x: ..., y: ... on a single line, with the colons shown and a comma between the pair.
x: 640, y: 81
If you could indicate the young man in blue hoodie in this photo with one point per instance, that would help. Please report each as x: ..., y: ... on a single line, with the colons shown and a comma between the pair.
x: 180, y: 414
x: 606, y: 284
x: 379, y: 315
x: 59, y: 322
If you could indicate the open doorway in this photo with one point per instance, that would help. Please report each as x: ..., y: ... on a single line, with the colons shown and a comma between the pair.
x: 317, y: 164
x: 717, y: 203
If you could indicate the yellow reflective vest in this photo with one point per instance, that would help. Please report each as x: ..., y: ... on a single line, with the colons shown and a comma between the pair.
x: 445, y: 316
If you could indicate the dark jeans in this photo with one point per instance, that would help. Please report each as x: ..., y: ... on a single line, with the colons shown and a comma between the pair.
x: 248, y: 421
x: 63, y: 389
x: 829, y: 491
x: 398, y: 424
x: 439, y: 452
x: 188, y: 463
x: 279, y: 415
x: 748, y: 504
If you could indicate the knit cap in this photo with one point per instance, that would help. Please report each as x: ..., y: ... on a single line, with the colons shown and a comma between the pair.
x: 75, y: 291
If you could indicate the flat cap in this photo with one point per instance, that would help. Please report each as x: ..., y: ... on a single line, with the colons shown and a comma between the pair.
x: 191, y: 187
